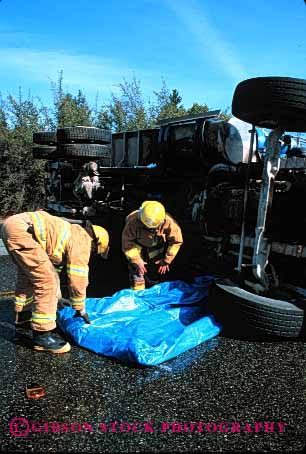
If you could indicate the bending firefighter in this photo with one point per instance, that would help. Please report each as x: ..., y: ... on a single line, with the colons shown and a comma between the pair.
x: 151, y: 239
x: 37, y: 242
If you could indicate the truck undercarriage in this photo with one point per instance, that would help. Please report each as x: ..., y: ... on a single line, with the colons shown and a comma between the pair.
x: 219, y: 174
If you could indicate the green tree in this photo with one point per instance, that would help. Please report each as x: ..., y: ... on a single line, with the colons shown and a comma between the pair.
x: 126, y: 110
x: 3, y: 122
x: 103, y: 118
x: 21, y: 177
x: 118, y: 115
x: 69, y: 110
x: 225, y: 115
x: 168, y: 103
x: 197, y: 109
x: 132, y: 104
x: 3, y: 130
x: 175, y: 98
x: 73, y: 111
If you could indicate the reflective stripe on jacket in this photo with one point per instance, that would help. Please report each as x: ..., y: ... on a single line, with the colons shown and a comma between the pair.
x: 60, y: 240
x: 52, y: 233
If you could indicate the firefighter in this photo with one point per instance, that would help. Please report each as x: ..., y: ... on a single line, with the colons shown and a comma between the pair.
x: 151, y: 239
x: 86, y: 186
x: 39, y: 242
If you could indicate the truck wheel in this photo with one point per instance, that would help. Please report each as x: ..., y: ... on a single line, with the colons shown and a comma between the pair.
x: 83, y: 134
x: 272, y: 101
x: 221, y: 173
x: 245, y: 313
x: 45, y: 138
x: 43, y: 152
x: 89, y: 151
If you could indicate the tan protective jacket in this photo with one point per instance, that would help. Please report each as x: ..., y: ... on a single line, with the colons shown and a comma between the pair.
x: 64, y: 243
x: 135, y: 236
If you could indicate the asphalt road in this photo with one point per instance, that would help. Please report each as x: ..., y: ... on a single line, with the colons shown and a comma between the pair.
x: 227, y: 395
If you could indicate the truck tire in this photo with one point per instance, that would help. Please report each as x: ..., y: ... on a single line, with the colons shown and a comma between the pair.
x: 221, y: 173
x: 45, y: 138
x: 89, y: 151
x: 272, y: 101
x: 83, y: 134
x: 43, y: 152
x: 245, y: 313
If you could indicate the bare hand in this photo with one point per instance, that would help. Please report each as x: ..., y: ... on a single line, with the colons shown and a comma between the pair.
x: 141, y: 267
x: 163, y: 267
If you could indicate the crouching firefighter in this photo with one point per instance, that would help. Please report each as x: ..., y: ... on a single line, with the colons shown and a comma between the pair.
x: 37, y: 242
x: 151, y: 239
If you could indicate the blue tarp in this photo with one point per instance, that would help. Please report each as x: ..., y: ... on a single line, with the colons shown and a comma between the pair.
x: 146, y: 327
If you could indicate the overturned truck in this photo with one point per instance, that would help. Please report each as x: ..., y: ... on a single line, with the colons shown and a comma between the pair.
x: 242, y: 181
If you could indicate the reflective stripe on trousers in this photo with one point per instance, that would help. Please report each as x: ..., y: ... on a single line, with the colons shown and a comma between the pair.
x: 37, y: 272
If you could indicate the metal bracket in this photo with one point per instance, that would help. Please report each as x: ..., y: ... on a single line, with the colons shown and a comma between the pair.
x: 270, y: 170
x: 245, y: 200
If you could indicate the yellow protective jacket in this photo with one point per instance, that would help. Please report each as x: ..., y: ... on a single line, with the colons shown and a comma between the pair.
x: 68, y: 244
x: 135, y: 236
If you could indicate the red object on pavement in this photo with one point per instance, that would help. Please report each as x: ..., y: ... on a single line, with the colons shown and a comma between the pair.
x: 35, y: 391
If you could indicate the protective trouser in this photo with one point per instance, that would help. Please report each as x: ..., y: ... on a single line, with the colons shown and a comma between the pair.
x: 150, y: 255
x: 37, y: 281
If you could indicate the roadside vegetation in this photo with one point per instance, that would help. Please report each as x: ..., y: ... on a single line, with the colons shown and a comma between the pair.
x: 22, y: 177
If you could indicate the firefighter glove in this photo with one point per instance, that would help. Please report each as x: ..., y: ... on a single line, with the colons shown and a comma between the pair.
x: 82, y: 313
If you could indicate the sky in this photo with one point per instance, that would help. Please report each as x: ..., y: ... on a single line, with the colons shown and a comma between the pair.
x: 203, y: 48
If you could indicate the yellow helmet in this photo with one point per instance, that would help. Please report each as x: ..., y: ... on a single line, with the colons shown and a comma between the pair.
x: 152, y: 214
x: 102, y: 240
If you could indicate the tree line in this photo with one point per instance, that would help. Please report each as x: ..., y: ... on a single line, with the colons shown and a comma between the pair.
x: 22, y: 177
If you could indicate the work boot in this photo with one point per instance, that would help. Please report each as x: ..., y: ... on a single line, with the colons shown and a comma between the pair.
x: 23, y: 319
x: 46, y: 341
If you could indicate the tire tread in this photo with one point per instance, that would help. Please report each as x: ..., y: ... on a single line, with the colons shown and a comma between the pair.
x: 268, y: 100
x: 234, y: 306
